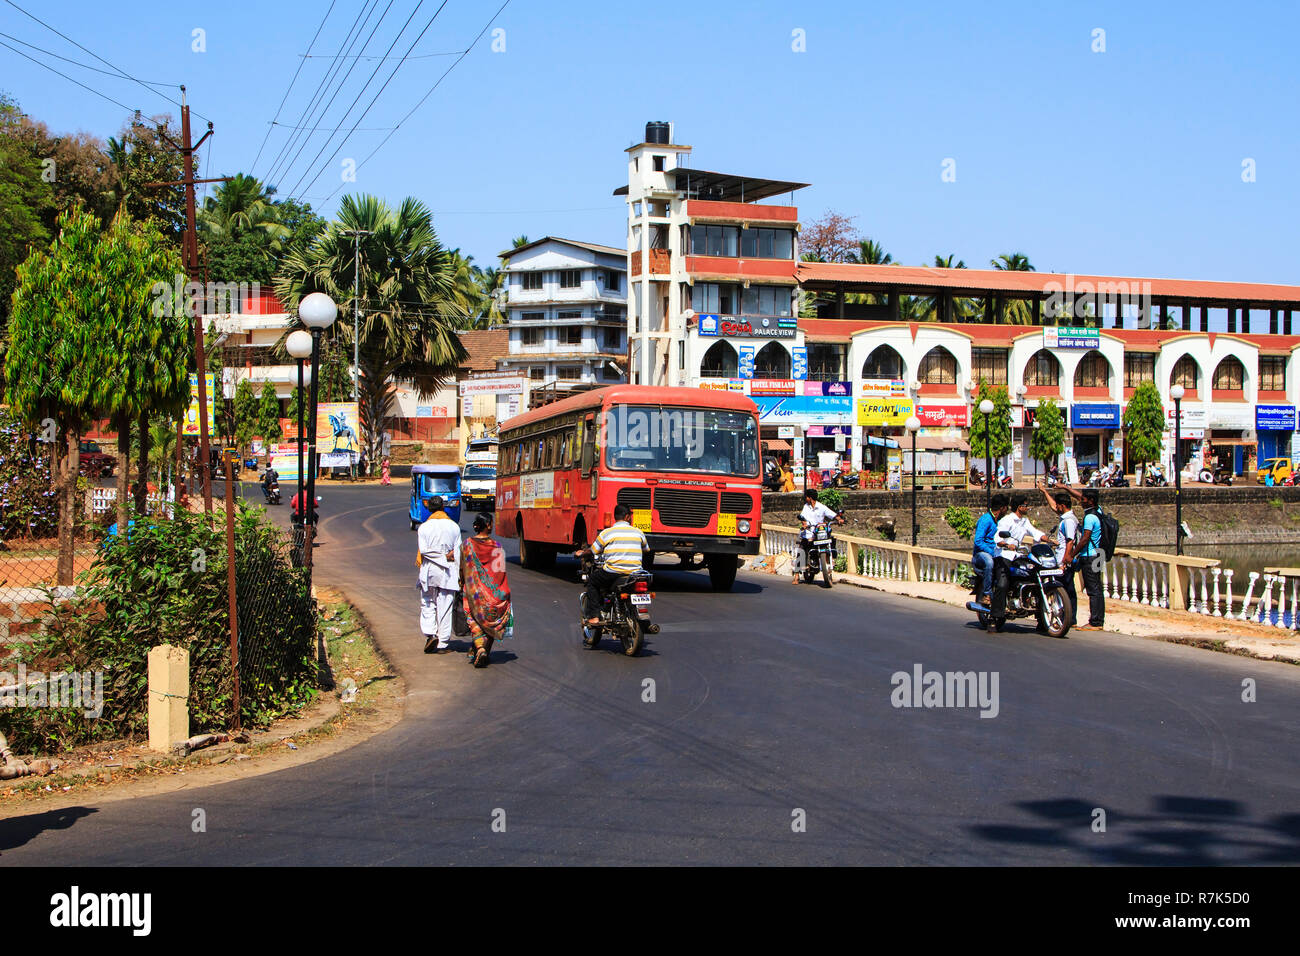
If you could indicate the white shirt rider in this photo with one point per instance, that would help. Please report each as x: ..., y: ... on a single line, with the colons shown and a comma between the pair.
x: 1013, y: 528
x: 815, y: 513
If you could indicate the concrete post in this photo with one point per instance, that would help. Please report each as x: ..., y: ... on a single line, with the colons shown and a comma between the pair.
x: 1180, y: 580
x: 169, y: 692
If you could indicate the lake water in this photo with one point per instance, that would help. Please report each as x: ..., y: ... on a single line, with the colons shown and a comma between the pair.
x: 1243, y: 558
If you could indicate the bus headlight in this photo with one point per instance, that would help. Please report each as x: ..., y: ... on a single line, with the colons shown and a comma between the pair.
x: 743, y: 526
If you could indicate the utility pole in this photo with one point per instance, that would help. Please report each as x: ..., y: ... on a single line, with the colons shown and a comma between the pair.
x: 190, y: 254
x: 356, y: 235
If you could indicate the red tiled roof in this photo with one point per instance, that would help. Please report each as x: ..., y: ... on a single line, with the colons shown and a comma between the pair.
x: 924, y: 279
x: 484, y: 346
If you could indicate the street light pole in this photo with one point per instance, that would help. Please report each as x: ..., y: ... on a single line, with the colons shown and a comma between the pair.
x: 1176, y: 393
x: 913, y: 426
x: 317, y: 312
x: 298, y: 345
x: 986, y: 409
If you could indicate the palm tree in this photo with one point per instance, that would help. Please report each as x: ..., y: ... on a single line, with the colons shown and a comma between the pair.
x: 871, y: 253
x: 411, y: 305
x: 240, y: 206
x: 961, y: 308
x: 1017, y: 311
x: 519, y: 241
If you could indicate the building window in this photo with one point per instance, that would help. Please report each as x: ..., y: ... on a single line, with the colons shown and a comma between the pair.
x: 716, y: 298
x: 1093, y: 371
x: 1043, y: 370
x: 571, y: 335
x: 824, y: 363
x: 1139, y: 367
x: 659, y: 167
x: 772, y: 361
x: 765, y: 300
x: 989, y: 365
x: 532, y: 281
x: 884, y: 362
x: 1230, y: 376
x: 530, y: 336
x: 536, y: 372
x: 714, y: 241
x: 1186, y: 373
x: 1272, y: 373
x: 568, y: 373
x: 767, y: 243
x: 939, y: 367
x: 570, y: 278
x: 613, y: 281
x: 611, y: 340
x: 720, y: 361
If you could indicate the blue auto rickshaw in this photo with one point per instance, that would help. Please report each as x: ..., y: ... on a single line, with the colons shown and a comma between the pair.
x: 430, y: 480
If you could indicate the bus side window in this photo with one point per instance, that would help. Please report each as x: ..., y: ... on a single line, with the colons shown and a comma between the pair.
x: 528, y: 457
x: 568, y: 448
x: 588, y: 447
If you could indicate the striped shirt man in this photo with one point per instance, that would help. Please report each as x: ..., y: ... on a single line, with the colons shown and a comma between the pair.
x: 618, y: 548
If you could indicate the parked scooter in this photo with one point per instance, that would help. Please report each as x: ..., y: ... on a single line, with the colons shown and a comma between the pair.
x: 625, y: 611
x: 1219, y: 476
x: 1154, y: 477
x: 1035, y: 589
x: 976, y: 476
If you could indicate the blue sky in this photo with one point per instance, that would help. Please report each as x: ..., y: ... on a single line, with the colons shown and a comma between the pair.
x: 1124, y: 162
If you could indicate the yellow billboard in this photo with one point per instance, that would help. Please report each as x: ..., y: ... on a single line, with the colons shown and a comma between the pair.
x: 191, y: 429
x: 875, y: 412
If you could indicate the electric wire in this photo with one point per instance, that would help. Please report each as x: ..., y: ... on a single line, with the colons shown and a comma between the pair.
x: 285, y: 98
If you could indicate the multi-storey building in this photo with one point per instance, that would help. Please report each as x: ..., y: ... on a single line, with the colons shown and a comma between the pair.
x: 567, y: 312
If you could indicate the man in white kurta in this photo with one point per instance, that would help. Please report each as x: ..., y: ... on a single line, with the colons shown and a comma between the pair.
x: 439, y: 563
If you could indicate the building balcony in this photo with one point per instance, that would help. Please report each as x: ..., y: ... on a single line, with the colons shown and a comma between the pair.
x: 748, y: 212
x: 780, y: 270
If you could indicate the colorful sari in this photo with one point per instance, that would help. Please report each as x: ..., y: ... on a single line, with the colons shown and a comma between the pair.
x: 485, y: 589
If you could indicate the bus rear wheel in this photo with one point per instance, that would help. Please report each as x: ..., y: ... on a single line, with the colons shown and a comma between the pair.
x: 534, y: 555
x: 722, y: 570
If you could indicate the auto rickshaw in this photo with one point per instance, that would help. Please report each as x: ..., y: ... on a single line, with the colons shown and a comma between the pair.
x: 1279, y: 468
x: 430, y: 480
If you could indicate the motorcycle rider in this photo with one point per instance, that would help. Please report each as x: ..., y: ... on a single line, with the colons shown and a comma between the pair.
x: 618, y: 551
x: 269, y: 480
x: 813, y: 514
x: 1012, y: 529
x: 984, y: 549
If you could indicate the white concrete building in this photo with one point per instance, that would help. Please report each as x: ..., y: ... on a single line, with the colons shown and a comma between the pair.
x: 567, y: 306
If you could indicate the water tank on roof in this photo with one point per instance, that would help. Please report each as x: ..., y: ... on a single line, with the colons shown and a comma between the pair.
x: 656, y: 133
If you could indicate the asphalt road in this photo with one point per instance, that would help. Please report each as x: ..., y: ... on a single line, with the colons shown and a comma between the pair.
x: 772, y: 706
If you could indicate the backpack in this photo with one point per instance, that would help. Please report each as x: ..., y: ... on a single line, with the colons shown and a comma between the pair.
x: 1109, y: 531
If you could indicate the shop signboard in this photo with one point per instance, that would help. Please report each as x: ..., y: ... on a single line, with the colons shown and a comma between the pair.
x: 753, y: 326
x: 828, y: 388
x: 785, y: 431
x: 1090, y: 415
x: 804, y: 409
x: 772, y: 386
x: 1275, y: 418
x: 723, y: 384
x: 1193, y: 423
x: 1230, y: 415
x: 1069, y: 339
x: 491, y: 385
x: 800, y: 360
x: 708, y: 325
x: 943, y: 416
x: 883, y: 388
x: 875, y: 412
x: 829, y: 431
x: 746, y: 361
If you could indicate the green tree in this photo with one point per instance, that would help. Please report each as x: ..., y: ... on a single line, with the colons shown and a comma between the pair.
x: 141, y: 157
x: 1144, y: 424
x: 268, y: 415
x: 999, y: 422
x: 26, y: 202
x: 410, y: 312
x: 246, y: 414
x: 1015, y: 311
x: 1048, y: 438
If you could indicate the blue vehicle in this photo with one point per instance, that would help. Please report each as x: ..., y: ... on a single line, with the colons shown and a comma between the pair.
x: 429, y: 480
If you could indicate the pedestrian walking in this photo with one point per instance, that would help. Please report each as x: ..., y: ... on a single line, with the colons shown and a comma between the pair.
x: 1090, y: 561
x: 438, y: 559
x: 384, y: 470
x: 486, y: 593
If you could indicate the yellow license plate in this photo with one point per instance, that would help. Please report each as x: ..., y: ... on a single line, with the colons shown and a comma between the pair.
x: 726, y: 524
x: 641, y: 519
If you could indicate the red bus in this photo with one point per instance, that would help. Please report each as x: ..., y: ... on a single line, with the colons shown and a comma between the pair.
x: 686, y: 460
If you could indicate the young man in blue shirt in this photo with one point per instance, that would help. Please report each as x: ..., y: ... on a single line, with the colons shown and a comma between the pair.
x: 984, y: 548
x: 1089, y: 561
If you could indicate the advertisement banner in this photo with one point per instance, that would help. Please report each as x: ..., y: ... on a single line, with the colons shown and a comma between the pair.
x: 747, y: 361
x: 828, y: 388
x: 536, y: 491
x: 800, y: 357
x: 883, y: 388
x: 192, y: 415
x: 883, y: 412
x: 1275, y: 418
x: 492, y: 385
x: 1231, y: 415
x: 1193, y: 422
x: 1071, y: 339
x: 338, y: 427
x: 338, y: 459
x: 826, y: 431
x: 285, y: 460
x: 723, y: 384
x: 943, y: 416
x: 772, y: 386
x: 1088, y: 415
x: 804, y: 410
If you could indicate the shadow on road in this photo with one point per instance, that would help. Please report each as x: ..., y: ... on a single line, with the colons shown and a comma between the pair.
x: 1178, y: 831
x: 15, y: 831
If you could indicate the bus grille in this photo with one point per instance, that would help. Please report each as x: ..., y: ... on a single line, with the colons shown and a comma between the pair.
x: 737, y: 503
x: 685, y: 508
x: 634, y: 497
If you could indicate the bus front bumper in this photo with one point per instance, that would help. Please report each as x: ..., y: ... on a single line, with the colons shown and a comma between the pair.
x: 702, y: 544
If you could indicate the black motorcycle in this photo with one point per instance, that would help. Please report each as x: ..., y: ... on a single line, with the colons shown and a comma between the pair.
x: 820, y: 554
x: 624, y: 611
x: 1035, y: 589
x: 271, y: 491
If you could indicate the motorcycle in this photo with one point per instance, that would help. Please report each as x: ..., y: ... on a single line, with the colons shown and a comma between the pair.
x: 976, y: 476
x: 1219, y: 476
x: 820, y: 554
x: 625, y: 611
x: 846, y: 481
x: 295, y: 518
x: 1155, y: 477
x: 1053, y: 477
x: 1035, y: 589
x: 271, y: 491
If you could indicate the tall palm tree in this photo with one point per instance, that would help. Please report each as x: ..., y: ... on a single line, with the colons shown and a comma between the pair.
x: 962, y: 308
x: 410, y: 302
x: 1017, y: 311
x: 519, y: 241
x: 871, y: 253
x: 240, y: 206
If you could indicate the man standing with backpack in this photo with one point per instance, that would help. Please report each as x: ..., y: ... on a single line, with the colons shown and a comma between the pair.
x: 1090, y: 558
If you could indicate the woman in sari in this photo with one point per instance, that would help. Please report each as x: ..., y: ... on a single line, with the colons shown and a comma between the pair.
x: 486, y: 591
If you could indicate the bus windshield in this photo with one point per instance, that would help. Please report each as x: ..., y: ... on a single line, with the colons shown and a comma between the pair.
x: 480, y: 471
x: 659, y: 438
